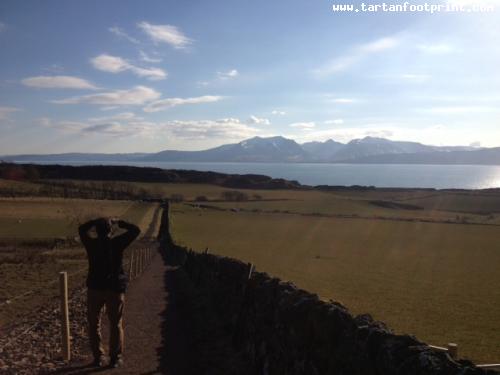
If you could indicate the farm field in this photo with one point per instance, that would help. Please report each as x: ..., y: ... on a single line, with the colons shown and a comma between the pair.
x: 29, y: 261
x: 423, y: 261
x: 437, y: 281
x: 25, y: 218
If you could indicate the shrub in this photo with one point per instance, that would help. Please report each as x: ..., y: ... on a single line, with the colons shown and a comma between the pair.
x: 176, y: 198
x: 234, y: 195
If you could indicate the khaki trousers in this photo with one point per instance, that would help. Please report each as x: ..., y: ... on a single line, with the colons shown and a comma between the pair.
x: 114, y: 302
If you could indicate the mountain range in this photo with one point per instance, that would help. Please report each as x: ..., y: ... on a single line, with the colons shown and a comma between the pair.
x: 279, y: 149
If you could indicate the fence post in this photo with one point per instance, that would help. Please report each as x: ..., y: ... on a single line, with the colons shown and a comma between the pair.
x: 131, y: 266
x: 250, y: 270
x: 65, y: 343
x: 137, y: 263
x: 453, y: 350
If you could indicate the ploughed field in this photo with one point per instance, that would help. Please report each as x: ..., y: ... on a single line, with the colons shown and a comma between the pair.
x: 38, y: 239
x: 424, y: 262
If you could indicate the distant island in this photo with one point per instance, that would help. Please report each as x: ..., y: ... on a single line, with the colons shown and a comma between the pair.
x: 368, y: 150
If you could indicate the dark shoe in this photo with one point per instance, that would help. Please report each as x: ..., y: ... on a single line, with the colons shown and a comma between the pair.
x: 98, y: 362
x: 116, y: 362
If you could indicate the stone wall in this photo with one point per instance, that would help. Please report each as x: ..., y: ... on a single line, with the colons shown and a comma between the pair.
x: 281, y: 329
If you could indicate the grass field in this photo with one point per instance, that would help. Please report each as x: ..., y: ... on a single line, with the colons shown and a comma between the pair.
x: 27, y: 218
x: 425, y: 262
x: 434, y: 280
x: 33, y: 268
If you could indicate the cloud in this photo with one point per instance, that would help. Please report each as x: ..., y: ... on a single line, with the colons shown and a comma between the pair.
x: 6, y: 111
x: 138, y: 95
x: 342, y: 100
x: 258, y: 121
x: 129, y: 125
x: 415, y: 78
x: 148, y: 59
x: 356, y: 55
x: 460, y: 110
x: 124, y: 116
x: 58, y: 82
x: 2, y: 26
x: 165, y: 34
x: 163, y: 104
x: 338, y: 121
x: 233, y: 73
x: 348, y: 134
x: 278, y: 113
x: 223, y: 129
x: 303, y: 125
x: 122, y: 34
x: 115, y: 64
x: 436, y: 48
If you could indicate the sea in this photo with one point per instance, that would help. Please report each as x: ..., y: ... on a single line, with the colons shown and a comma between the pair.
x: 378, y: 175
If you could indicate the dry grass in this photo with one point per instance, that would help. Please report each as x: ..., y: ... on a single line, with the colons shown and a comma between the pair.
x: 57, y: 217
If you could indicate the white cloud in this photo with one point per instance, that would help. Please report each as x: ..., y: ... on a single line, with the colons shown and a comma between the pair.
x: 356, y: 55
x: 58, y: 82
x: 348, y: 134
x: 379, y: 45
x: 303, y: 125
x: 233, y: 73
x: 461, y: 110
x: 436, y: 48
x: 338, y: 121
x: 415, y: 78
x: 258, y: 121
x: 145, y: 57
x: 6, y: 111
x: 124, y: 116
x: 115, y: 64
x: 221, y: 130
x: 2, y: 27
x: 138, y: 95
x: 278, y: 113
x: 342, y: 100
x: 122, y: 34
x: 163, y: 104
x: 165, y: 34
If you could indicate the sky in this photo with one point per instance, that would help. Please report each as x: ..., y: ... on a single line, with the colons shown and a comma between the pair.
x: 145, y: 76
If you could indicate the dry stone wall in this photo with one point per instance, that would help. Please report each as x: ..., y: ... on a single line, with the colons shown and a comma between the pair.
x: 285, y: 330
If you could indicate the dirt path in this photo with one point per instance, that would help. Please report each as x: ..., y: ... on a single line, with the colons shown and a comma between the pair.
x: 157, y: 335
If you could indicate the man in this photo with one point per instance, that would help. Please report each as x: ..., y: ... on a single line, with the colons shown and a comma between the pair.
x: 106, y: 283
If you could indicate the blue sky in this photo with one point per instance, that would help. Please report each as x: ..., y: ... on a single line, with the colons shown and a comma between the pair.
x: 128, y: 76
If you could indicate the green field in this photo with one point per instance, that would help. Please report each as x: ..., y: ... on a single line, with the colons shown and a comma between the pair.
x: 425, y: 262
x: 28, y: 218
x: 28, y: 259
x: 436, y: 280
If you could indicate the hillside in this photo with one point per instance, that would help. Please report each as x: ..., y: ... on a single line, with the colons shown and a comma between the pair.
x: 282, y: 150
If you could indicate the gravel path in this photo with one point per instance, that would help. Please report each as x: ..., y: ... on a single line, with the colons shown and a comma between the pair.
x: 155, y: 332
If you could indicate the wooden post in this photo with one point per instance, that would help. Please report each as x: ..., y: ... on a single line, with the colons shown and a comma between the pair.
x: 453, y: 350
x: 136, y: 270
x: 131, y: 266
x: 250, y: 270
x: 63, y: 291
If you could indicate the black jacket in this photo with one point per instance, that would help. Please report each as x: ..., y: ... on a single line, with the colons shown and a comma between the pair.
x: 105, y: 258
